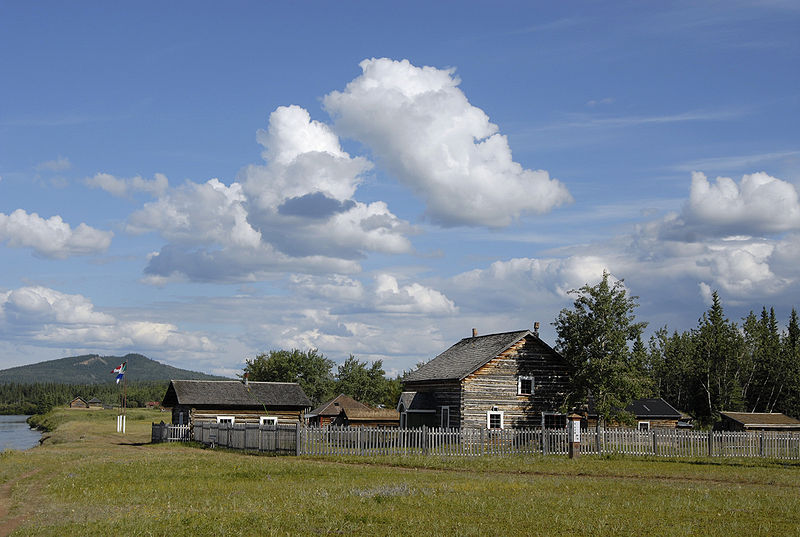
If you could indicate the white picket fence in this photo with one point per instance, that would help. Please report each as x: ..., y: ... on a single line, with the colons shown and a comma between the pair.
x: 367, y: 441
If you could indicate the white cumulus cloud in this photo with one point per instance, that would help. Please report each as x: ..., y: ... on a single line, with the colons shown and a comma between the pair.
x: 421, y: 126
x: 51, y: 237
x: 57, y: 319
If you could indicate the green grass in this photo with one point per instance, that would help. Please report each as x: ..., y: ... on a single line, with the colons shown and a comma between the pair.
x: 97, y: 482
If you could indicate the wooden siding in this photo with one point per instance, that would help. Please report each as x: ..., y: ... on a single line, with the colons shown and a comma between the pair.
x: 191, y: 415
x: 495, y: 385
x: 444, y: 393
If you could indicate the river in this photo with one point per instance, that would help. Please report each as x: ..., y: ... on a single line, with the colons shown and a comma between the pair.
x: 15, y: 433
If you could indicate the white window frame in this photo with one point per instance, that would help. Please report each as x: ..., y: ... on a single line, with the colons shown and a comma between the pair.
x: 519, y: 384
x: 444, y: 413
x: 226, y: 419
x: 639, y: 426
x: 271, y: 421
x: 489, y: 414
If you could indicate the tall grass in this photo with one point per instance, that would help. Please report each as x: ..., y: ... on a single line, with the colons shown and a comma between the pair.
x: 107, y: 484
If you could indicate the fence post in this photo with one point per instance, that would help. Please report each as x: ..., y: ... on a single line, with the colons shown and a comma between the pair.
x: 761, y: 444
x: 655, y: 442
x: 297, y: 437
x: 545, y: 442
x: 710, y: 443
x: 424, y: 439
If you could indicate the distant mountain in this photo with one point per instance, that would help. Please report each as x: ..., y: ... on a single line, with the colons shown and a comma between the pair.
x: 95, y: 369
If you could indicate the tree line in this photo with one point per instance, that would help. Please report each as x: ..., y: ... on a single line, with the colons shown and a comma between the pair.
x: 719, y: 365
x: 363, y: 381
x: 38, y: 398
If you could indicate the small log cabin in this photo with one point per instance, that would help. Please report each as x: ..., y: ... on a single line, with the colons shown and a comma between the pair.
x: 327, y: 412
x: 757, y: 421
x: 506, y: 380
x: 232, y: 401
x: 369, y: 417
x: 653, y: 413
x: 78, y: 402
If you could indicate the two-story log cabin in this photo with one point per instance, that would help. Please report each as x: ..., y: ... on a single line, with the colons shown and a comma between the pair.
x: 507, y: 380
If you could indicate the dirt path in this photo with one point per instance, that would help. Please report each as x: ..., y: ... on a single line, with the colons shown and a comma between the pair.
x: 7, y: 525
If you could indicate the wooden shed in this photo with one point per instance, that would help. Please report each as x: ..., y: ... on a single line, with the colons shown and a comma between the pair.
x: 757, y: 421
x: 327, y: 412
x: 78, y: 402
x: 94, y: 402
x: 368, y: 417
x: 505, y: 380
x: 232, y: 401
x: 650, y: 413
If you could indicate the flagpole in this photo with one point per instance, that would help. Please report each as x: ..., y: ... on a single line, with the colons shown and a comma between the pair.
x: 124, y: 402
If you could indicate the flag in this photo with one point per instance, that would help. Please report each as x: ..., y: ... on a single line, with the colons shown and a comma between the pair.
x: 120, y: 370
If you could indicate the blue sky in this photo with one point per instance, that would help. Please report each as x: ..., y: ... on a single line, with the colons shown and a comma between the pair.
x: 200, y: 182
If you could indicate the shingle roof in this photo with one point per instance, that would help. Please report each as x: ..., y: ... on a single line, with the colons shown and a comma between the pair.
x: 653, y: 408
x: 773, y: 419
x: 466, y: 356
x: 331, y: 408
x: 232, y: 393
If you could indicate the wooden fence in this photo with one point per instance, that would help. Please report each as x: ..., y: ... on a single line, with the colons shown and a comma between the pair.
x: 163, y: 432
x: 366, y: 441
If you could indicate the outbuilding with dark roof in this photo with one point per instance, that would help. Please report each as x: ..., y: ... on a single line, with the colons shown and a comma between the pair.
x: 232, y: 401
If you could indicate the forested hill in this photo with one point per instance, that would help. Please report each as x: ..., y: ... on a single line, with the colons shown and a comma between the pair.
x: 95, y: 369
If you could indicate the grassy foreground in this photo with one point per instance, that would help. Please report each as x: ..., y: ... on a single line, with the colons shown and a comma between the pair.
x: 88, y: 480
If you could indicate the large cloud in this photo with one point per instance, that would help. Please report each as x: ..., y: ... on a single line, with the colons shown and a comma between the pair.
x: 56, y: 319
x: 52, y: 237
x: 293, y: 213
x: 758, y: 205
x: 422, y: 127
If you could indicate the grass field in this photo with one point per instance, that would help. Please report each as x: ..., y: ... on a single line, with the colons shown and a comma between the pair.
x: 88, y: 480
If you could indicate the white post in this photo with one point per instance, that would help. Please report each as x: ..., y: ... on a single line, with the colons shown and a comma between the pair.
x: 123, y: 424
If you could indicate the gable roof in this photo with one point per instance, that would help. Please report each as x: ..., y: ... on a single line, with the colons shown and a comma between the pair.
x: 234, y: 394
x: 653, y: 408
x: 335, y: 406
x: 466, y: 356
x: 756, y: 419
x: 94, y: 400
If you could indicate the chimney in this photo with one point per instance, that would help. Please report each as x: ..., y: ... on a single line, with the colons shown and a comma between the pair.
x: 474, y: 332
x: 246, y: 382
x: 536, y: 329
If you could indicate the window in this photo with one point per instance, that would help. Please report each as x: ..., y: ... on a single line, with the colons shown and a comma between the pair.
x: 226, y: 419
x: 180, y: 418
x: 644, y: 425
x: 270, y: 421
x: 525, y: 386
x: 445, y: 417
x: 494, y: 419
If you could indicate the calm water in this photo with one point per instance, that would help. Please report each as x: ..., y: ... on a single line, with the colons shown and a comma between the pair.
x: 16, y: 434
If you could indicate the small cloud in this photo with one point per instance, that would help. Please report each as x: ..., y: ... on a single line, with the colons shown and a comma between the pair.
x: 57, y: 165
x: 599, y: 102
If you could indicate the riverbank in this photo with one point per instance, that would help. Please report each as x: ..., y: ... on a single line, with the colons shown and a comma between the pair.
x: 16, y: 433
x: 90, y: 480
